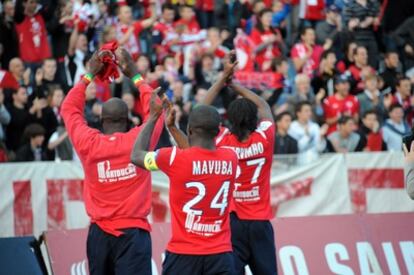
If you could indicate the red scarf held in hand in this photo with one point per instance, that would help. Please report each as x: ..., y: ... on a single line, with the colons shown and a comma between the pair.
x: 110, y: 69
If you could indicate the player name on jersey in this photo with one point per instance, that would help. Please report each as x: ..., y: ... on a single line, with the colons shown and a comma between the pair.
x: 210, y: 167
x: 248, y: 152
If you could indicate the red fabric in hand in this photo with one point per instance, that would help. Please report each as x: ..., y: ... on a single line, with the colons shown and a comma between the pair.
x: 110, y: 69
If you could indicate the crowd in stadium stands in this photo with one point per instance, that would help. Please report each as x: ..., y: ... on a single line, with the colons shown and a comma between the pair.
x: 338, y: 74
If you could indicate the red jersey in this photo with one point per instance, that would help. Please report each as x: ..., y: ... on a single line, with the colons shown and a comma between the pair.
x: 33, y: 43
x: 201, y: 184
x: 117, y: 194
x: 312, y: 64
x: 267, y: 54
x: 7, y: 81
x: 336, y: 107
x: 251, y: 196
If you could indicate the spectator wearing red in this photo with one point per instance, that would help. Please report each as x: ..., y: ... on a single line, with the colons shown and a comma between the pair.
x: 282, y: 86
x: 213, y: 45
x: 128, y: 30
x: 16, y: 68
x: 206, y: 13
x: 188, y: 20
x: 267, y: 40
x: 340, y: 104
x: 306, y: 54
x: 403, y: 96
x: 311, y: 12
x: 161, y: 29
x: 371, y: 133
x: 31, y: 28
x: 360, y: 69
x: 348, y: 59
x: 8, y: 81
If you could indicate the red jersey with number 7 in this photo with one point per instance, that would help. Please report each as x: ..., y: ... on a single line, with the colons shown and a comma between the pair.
x: 201, y: 184
x: 251, y: 195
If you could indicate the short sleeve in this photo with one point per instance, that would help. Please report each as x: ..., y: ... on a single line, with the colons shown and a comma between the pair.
x: 266, y: 128
x: 165, y: 159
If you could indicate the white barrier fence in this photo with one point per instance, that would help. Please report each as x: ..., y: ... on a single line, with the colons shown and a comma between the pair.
x: 35, y: 197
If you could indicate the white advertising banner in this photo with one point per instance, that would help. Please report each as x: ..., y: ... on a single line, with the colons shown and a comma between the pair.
x: 35, y: 197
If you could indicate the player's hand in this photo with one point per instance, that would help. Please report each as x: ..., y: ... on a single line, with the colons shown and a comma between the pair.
x: 408, y: 155
x: 95, y: 64
x: 171, y: 117
x: 229, y: 64
x: 156, y: 105
x: 126, y: 63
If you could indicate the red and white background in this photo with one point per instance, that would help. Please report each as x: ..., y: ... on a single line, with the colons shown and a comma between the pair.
x: 40, y: 197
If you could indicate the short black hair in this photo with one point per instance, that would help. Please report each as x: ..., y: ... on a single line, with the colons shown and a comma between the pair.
x: 33, y: 130
x: 205, y: 121
x: 326, y: 53
x: 369, y: 112
x: 395, y: 106
x: 305, y: 29
x: 344, y: 119
x: 277, y: 61
x: 167, y: 6
x: 242, y: 115
x: 300, y: 105
x: 280, y: 116
x: 401, y: 79
x: 357, y: 48
x: 390, y: 52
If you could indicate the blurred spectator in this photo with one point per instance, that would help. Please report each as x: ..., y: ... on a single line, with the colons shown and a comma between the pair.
x: 345, y: 140
x: 372, y: 99
x: 329, y: 30
x: 306, y: 54
x: 370, y: 132
x: 16, y: 68
x: 60, y: 143
x: 311, y: 12
x: 230, y: 13
x: 134, y: 118
x: 256, y: 8
x: 359, y: 69
x: 205, y: 73
x: 31, y: 28
x: 268, y: 41
x: 340, y: 104
x: 128, y: 30
x: 304, y: 93
x: 188, y: 20
x: 391, y: 71
x: 213, y: 45
x: 360, y: 17
x: 348, y: 58
x: 93, y: 107
x: 395, y: 128
x: 308, y: 134
x: 9, y: 41
x: 282, y: 86
x: 161, y: 31
x: 404, y: 37
x: 403, y: 97
x: 325, y: 76
x: 205, y: 10
x: 4, y: 117
x: 20, y: 118
x: 45, y: 77
x: 75, y: 59
x: 284, y: 143
x: 280, y: 11
x: 31, y: 150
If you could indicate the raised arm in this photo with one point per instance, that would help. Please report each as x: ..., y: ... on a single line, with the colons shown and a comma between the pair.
x: 179, y: 137
x: 263, y: 108
x: 223, y: 79
x: 142, y: 143
x: 73, y: 109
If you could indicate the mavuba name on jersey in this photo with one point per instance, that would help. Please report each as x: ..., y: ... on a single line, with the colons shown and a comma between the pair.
x: 212, y: 167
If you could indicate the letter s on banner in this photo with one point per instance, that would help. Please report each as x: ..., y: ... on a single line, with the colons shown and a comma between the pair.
x: 333, y: 249
x: 289, y: 252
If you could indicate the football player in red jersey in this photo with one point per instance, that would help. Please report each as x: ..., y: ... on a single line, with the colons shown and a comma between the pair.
x: 117, y: 194
x: 201, y: 185
x: 251, y: 135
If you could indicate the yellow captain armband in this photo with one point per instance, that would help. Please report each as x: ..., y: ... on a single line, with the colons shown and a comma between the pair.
x: 149, y: 161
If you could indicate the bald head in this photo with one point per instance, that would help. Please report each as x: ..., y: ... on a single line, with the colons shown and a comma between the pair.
x: 114, y: 110
x: 204, y: 121
x: 16, y: 66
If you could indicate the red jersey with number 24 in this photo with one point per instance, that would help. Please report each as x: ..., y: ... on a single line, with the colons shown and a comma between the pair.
x: 201, y: 184
x: 251, y: 195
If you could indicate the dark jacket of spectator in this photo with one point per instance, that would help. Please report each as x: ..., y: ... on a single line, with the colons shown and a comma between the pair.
x: 8, y: 40
x: 27, y: 153
x: 285, y: 145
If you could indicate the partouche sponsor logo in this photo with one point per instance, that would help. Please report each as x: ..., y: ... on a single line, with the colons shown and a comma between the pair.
x: 106, y: 174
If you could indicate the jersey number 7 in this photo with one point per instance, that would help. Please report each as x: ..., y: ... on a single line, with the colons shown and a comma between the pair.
x: 219, y: 201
